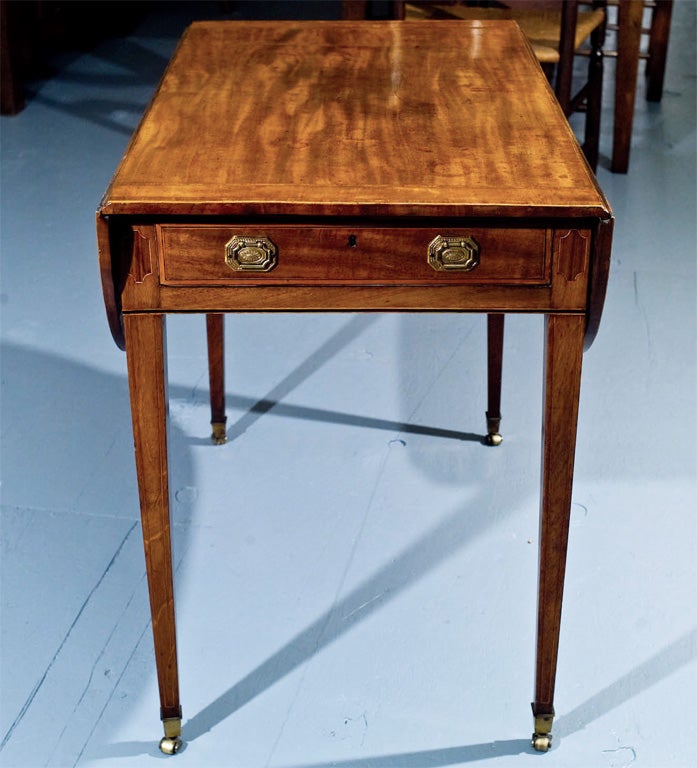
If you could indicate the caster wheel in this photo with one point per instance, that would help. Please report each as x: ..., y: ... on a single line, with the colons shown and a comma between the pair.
x: 541, y: 742
x: 170, y: 745
x: 494, y: 439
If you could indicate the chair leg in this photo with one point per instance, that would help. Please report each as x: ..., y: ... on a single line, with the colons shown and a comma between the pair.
x: 658, y: 49
x: 628, y: 43
x: 215, y: 330
x: 591, y: 144
x: 495, y: 364
x: 565, y: 67
x: 11, y: 80
x: 354, y: 10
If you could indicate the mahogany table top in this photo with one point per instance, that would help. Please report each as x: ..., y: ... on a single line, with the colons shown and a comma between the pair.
x: 423, y: 118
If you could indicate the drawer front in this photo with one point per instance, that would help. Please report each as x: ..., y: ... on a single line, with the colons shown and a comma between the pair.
x: 212, y: 254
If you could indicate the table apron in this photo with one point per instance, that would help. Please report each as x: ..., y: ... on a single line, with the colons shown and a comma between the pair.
x: 355, y: 299
x: 182, y: 268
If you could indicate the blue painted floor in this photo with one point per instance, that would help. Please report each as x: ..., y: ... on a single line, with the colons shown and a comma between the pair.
x: 355, y: 573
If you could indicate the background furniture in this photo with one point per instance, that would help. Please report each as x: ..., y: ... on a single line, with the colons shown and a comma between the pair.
x: 32, y: 32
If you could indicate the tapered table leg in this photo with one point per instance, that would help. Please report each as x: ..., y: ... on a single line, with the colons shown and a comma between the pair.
x: 215, y: 330
x: 563, y: 353
x: 494, y: 367
x: 147, y: 379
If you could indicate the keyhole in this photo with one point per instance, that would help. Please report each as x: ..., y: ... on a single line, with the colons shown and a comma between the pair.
x: 352, y: 241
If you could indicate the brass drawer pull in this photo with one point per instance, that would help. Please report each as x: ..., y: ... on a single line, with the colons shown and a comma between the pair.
x: 453, y: 253
x: 244, y: 253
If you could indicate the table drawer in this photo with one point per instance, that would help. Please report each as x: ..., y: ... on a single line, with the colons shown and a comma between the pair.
x: 212, y: 254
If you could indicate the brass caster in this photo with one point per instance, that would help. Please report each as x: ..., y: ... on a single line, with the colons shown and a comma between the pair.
x: 542, y: 737
x: 218, y: 436
x: 541, y: 742
x: 493, y: 424
x: 170, y: 745
x: 494, y: 439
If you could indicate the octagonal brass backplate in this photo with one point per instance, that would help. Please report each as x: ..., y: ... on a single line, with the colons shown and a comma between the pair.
x: 246, y: 253
x: 456, y: 253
